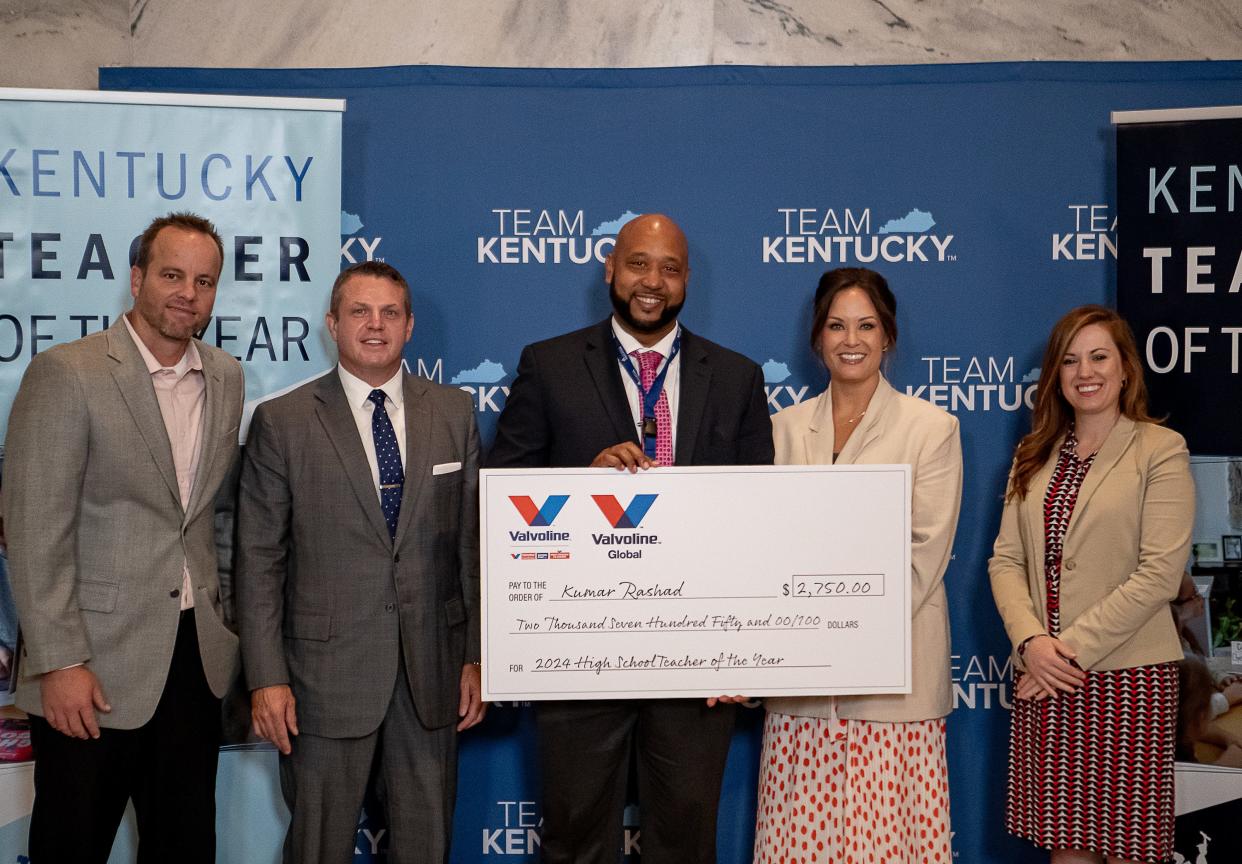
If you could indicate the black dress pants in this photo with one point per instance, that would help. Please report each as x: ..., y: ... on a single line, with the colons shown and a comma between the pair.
x: 681, y: 746
x: 168, y: 768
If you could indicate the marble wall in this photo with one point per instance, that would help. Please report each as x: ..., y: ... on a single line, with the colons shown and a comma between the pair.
x: 60, y: 43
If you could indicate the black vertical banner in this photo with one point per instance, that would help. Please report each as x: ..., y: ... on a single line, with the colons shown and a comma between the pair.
x: 1179, y: 284
x: 1179, y: 265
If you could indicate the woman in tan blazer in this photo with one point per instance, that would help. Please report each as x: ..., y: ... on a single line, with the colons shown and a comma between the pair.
x: 1094, y: 536
x: 867, y: 774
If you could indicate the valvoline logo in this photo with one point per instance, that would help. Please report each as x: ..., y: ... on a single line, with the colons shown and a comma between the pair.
x: 539, y: 517
x: 629, y: 517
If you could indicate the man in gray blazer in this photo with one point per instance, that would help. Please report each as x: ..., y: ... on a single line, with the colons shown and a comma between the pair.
x: 118, y: 444
x: 358, y: 583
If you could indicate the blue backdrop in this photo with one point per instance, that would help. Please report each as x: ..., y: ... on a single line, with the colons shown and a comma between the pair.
x: 986, y: 191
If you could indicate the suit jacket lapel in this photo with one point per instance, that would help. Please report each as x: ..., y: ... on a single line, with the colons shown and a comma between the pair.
x: 134, y: 382
x: 870, y: 425
x: 338, y: 422
x: 1033, y: 508
x: 602, y: 366
x: 210, y: 439
x: 1106, y: 457
x: 821, y: 439
x: 818, y: 439
x: 694, y: 381
x: 418, y: 424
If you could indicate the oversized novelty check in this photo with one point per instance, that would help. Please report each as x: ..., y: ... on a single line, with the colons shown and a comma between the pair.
x: 695, y: 582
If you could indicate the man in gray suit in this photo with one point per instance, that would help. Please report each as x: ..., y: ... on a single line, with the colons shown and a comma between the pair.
x: 358, y: 583
x: 117, y: 446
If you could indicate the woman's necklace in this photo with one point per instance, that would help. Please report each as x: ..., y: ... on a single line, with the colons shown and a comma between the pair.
x: 1083, y: 450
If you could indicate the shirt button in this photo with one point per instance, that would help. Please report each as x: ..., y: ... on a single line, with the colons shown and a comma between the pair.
x: 1069, y: 565
x: 176, y: 592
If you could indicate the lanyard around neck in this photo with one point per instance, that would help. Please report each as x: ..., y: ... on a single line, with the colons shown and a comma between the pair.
x: 650, y: 395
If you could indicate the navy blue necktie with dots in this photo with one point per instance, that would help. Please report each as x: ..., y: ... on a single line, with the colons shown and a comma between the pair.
x: 391, y: 477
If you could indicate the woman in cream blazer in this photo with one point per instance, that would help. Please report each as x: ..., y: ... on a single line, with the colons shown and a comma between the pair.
x: 1094, y: 536
x: 876, y: 763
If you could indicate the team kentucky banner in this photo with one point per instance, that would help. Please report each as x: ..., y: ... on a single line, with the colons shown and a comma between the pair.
x: 985, y: 193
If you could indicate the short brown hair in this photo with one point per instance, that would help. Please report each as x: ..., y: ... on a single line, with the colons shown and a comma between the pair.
x: 870, y: 283
x: 186, y: 221
x: 369, y: 268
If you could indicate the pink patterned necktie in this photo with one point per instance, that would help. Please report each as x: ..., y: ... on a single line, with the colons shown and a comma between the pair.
x: 648, y: 365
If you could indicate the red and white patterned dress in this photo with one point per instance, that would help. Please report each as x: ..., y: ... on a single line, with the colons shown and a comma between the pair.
x: 1093, y: 769
x: 852, y: 791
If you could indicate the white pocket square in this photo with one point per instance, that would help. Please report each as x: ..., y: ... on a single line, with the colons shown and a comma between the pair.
x: 445, y: 468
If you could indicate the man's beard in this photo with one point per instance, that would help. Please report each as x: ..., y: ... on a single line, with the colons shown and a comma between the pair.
x: 619, y: 306
x: 179, y: 332
x: 163, y: 324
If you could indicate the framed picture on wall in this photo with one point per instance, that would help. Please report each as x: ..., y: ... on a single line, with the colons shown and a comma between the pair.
x: 1206, y: 552
x: 1231, y: 548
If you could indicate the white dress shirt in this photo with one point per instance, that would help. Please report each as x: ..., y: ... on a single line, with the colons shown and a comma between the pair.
x: 358, y: 394
x: 672, y: 380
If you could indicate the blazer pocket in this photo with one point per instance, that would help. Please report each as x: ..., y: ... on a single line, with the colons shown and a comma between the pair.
x: 445, y: 468
x: 454, y: 611
x: 316, y: 626
x: 97, y: 596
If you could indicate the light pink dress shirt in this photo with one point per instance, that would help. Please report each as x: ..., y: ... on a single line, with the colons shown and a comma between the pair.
x: 182, y: 395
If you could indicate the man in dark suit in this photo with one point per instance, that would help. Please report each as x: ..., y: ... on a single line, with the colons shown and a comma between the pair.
x: 117, y: 446
x: 635, y: 391
x: 358, y: 592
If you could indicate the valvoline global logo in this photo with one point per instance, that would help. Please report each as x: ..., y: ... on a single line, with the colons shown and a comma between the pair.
x: 536, y: 516
x: 628, y: 517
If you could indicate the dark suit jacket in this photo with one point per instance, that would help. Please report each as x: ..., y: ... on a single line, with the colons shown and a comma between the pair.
x: 569, y: 403
x: 327, y: 601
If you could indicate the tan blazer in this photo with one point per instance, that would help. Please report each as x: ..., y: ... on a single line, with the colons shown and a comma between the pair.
x: 1125, y: 548
x: 896, y: 430
x: 97, y: 534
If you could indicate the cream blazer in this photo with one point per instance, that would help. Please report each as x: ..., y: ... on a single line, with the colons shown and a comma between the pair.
x: 1126, y: 545
x: 896, y: 430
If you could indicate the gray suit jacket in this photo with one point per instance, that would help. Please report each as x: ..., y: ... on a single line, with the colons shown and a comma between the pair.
x: 327, y: 602
x: 97, y: 534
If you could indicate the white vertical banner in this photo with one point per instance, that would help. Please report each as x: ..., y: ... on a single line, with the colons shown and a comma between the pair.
x: 81, y: 175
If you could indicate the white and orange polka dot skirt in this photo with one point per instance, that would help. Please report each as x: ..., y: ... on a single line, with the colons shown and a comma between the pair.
x: 852, y: 792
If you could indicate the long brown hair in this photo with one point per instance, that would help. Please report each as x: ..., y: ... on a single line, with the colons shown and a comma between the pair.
x: 1053, y: 413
